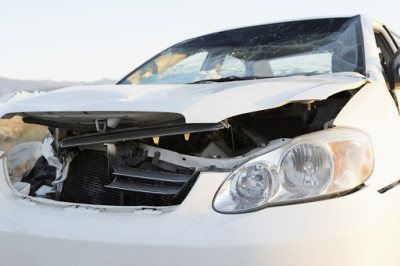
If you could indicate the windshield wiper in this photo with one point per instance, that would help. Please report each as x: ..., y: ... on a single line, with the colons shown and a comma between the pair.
x: 230, y: 78
x: 235, y: 78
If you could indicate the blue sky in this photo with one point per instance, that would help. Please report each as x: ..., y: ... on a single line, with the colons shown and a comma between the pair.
x: 85, y: 40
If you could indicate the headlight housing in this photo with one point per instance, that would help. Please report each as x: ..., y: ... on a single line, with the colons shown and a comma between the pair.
x: 310, y: 167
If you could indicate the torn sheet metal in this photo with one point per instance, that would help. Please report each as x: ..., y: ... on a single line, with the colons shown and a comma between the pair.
x: 198, y: 103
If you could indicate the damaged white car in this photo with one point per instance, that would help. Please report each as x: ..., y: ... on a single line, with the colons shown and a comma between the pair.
x: 268, y: 145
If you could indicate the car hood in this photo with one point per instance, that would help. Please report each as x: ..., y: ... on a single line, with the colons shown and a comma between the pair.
x: 197, y: 103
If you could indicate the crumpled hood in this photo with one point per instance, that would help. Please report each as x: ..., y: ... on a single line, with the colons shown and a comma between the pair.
x: 198, y: 103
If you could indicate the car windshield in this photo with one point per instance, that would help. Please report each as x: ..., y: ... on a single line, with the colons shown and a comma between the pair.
x: 277, y: 50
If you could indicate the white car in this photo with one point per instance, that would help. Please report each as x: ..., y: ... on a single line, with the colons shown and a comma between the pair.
x: 274, y: 144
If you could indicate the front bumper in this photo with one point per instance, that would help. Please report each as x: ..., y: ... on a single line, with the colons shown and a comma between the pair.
x: 358, y: 229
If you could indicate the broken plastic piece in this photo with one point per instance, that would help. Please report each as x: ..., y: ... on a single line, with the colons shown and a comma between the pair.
x: 187, y: 136
x: 23, y: 187
x: 113, y: 122
x: 98, y: 126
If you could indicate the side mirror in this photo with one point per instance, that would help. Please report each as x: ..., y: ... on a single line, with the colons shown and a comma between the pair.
x: 394, y: 71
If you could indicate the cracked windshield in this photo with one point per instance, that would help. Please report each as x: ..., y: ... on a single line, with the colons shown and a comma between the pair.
x: 276, y: 50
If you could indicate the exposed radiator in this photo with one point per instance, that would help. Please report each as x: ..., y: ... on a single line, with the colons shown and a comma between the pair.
x: 87, y: 178
x: 89, y: 182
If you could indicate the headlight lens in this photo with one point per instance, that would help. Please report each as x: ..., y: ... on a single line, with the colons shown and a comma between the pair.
x: 253, y: 185
x: 307, y: 168
x: 310, y: 167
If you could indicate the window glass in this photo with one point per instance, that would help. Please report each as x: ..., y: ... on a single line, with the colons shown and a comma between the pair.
x: 282, y: 49
x: 233, y: 67
x: 307, y: 63
x: 396, y: 38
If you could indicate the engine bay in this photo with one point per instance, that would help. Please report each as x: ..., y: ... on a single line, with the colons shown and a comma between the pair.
x: 120, y: 161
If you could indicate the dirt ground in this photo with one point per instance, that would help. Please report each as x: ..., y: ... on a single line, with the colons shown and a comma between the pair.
x: 13, y: 132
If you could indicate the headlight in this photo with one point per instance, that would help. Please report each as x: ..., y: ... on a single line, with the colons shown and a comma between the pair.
x: 307, y: 168
x: 310, y: 167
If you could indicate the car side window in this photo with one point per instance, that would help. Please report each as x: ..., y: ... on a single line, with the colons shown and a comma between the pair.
x: 385, y: 51
x: 395, y: 37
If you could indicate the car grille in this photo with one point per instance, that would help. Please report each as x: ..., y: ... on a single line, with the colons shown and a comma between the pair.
x: 89, y: 182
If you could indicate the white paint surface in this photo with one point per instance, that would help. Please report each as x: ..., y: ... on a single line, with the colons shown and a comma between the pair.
x: 198, y: 103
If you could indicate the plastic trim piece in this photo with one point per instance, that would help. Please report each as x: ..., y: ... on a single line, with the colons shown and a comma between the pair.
x: 123, y: 185
x: 389, y: 187
x: 150, y: 175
